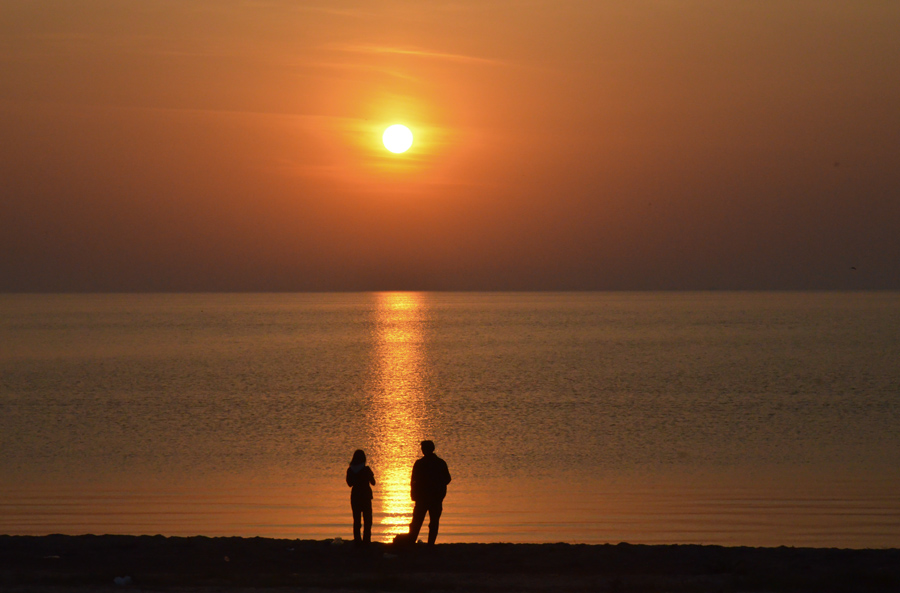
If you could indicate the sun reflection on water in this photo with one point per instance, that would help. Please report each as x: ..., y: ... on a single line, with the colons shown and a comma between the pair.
x: 398, y: 405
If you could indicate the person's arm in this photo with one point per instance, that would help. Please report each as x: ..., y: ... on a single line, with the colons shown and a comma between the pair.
x: 447, y: 477
x: 371, y: 477
x: 349, y: 481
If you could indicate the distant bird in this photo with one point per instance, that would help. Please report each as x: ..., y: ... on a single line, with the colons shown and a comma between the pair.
x: 853, y: 267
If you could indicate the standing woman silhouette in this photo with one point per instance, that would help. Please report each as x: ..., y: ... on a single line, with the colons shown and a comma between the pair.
x: 359, y: 478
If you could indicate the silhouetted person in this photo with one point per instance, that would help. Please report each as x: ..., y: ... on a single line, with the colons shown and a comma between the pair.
x: 359, y: 478
x: 428, y: 487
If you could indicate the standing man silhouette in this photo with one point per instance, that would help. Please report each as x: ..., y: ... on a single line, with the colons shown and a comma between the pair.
x: 428, y: 487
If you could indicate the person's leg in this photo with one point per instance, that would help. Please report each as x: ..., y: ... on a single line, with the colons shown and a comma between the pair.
x: 434, y: 521
x: 367, y: 518
x: 357, y: 522
x: 418, y: 518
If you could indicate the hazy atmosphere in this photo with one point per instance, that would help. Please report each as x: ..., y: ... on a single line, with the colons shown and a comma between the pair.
x: 236, y: 145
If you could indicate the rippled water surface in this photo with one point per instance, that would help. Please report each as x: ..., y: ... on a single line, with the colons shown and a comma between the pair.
x: 728, y: 418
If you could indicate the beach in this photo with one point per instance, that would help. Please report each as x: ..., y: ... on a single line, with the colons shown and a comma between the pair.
x: 154, y: 563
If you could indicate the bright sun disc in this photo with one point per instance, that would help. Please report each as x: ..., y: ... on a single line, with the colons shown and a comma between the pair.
x: 397, y: 138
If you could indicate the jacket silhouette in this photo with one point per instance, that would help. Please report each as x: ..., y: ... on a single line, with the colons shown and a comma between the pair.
x: 361, y: 478
x: 428, y: 487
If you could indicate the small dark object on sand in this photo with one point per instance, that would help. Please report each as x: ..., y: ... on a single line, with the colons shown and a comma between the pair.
x: 403, y: 539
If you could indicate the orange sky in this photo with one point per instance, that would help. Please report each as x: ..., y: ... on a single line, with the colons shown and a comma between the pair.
x: 235, y: 145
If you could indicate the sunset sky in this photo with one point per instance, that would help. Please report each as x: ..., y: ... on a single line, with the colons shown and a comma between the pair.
x: 171, y: 145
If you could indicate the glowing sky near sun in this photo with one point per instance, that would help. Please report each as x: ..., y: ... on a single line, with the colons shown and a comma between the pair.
x: 558, y: 145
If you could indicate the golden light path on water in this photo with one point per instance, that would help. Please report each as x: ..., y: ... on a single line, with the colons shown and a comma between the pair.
x: 398, y: 405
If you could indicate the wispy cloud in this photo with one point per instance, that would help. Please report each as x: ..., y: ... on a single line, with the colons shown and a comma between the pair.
x: 419, y: 53
x: 324, y: 64
x: 328, y: 7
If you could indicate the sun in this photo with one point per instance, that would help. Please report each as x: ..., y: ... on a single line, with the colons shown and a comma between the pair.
x: 397, y: 138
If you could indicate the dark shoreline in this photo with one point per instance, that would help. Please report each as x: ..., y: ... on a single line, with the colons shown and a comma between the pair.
x: 88, y: 563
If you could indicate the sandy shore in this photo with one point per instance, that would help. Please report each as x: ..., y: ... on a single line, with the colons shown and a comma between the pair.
x: 96, y: 563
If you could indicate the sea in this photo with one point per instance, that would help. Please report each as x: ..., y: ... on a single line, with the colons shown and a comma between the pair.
x: 731, y: 418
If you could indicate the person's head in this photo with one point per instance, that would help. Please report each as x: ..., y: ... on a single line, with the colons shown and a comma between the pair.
x: 427, y: 447
x: 359, y: 457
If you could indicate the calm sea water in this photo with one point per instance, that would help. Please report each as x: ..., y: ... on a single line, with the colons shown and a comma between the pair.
x: 727, y: 418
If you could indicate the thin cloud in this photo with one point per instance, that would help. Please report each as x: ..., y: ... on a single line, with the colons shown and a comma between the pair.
x: 309, y: 118
x: 321, y: 8
x: 420, y: 53
x: 360, y: 67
